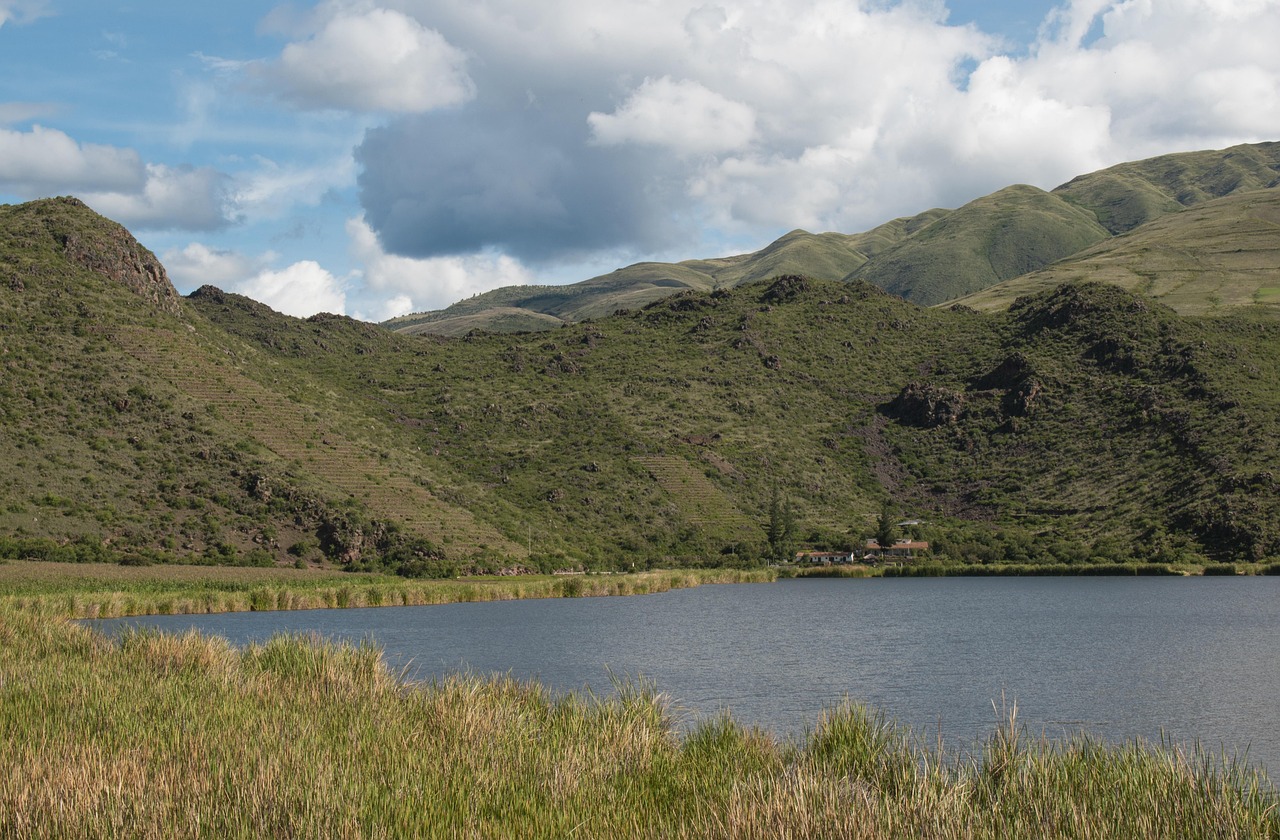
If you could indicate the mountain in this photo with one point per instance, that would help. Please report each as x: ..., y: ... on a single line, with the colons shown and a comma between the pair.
x: 938, y: 256
x: 527, y: 308
x: 1003, y: 235
x: 1083, y: 423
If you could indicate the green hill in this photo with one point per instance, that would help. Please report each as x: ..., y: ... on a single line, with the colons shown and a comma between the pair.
x: 1213, y: 257
x: 1085, y: 423
x: 941, y: 255
x: 136, y: 428
x: 1003, y: 235
x: 1126, y: 196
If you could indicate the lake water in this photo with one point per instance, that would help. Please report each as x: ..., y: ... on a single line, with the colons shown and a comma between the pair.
x: 1189, y: 658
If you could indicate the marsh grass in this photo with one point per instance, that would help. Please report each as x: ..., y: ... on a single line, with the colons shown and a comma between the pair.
x: 108, y: 591
x: 157, y: 735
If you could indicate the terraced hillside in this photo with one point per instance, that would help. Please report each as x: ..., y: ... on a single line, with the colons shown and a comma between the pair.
x: 704, y: 503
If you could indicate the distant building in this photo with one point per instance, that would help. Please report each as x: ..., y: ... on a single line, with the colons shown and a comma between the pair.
x: 900, y: 550
x: 826, y: 558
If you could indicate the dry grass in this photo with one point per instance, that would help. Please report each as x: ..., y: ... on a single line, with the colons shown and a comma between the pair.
x: 107, y: 591
x: 161, y: 735
x: 186, y: 736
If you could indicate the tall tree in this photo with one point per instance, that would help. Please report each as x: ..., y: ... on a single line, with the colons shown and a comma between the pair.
x: 782, y: 526
x: 886, y: 526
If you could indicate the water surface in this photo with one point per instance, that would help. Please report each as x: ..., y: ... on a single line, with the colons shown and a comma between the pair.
x: 1187, y: 658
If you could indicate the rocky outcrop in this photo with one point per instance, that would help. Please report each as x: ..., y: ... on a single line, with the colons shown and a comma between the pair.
x: 926, y: 405
x: 107, y: 248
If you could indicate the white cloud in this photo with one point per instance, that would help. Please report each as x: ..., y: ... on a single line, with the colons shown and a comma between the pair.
x: 272, y: 189
x: 408, y: 285
x: 371, y: 60
x: 196, y: 264
x: 44, y: 160
x: 681, y: 115
x: 171, y: 198
x: 302, y: 290
x: 1180, y: 74
x: 21, y: 11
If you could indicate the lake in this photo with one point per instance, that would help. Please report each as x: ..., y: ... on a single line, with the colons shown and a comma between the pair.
x: 1189, y: 658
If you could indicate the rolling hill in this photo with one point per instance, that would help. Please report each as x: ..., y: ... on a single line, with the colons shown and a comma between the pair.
x: 941, y: 256
x: 1084, y: 423
x: 1218, y: 256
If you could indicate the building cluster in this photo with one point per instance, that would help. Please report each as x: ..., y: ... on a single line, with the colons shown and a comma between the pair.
x: 901, y: 551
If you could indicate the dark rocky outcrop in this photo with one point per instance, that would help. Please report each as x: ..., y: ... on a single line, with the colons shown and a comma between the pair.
x: 927, y: 405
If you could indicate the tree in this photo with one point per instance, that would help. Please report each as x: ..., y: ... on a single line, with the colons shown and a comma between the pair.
x: 782, y: 526
x: 886, y: 526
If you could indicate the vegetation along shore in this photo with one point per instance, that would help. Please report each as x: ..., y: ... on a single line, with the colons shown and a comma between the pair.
x: 159, y: 735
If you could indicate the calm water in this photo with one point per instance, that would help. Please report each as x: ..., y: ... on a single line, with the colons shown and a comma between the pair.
x: 1194, y: 658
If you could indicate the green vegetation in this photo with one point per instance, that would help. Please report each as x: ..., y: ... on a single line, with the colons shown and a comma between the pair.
x: 185, y: 736
x: 98, y: 591
x: 1085, y: 426
x: 1197, y: 264
x: 997, y: 237
x: 1215, y: 257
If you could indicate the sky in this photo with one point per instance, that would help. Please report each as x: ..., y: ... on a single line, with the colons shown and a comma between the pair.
x: 379, y: 157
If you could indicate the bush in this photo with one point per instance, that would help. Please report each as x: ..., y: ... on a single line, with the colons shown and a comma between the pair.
x: 1220, y: 569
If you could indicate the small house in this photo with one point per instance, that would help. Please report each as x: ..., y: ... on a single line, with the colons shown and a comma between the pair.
x: 825, y: 558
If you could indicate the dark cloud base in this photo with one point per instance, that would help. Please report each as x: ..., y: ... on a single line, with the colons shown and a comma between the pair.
x: 527, y: 182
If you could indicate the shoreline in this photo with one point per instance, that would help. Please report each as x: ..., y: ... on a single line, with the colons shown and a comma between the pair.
x: 124, y: 592
x: 159, y: 735
x: 85, y: 591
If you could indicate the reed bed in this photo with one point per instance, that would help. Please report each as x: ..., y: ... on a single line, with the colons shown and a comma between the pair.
x: 160, y: 735
x: 102, y: 591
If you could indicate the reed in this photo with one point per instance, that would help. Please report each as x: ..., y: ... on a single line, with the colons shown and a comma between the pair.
x: 160, y: 735
x: 106, y: 591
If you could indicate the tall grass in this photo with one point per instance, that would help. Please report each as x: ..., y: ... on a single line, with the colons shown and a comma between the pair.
x: 116, y: 591
x: 185, y: 736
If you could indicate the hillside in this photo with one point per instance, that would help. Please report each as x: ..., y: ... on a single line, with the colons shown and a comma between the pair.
x: 1003, y: 235
x: 1085, y: 423
x: 525, y: 308
x: 1214, y: 257
x: 938, y: 256
x: 135, y: 428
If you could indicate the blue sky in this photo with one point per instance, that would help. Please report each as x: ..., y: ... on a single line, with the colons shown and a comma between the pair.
x: 375, y: 158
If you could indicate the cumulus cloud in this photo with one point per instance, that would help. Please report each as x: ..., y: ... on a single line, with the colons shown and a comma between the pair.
x: 371, y: 59
x: 43, y: 161
x: 114, y: 181
x: 170, y: 198
x: 526, y: 182
x: 407, y: 285
x: 681, y: 115
x: 196, y: 264
x: 302, y: 290
x: 618, y: 125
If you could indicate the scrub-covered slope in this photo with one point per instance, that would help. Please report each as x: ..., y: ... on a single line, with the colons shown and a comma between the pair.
x: 709, y: 427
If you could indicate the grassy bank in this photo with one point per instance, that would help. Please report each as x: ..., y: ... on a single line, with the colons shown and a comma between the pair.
x: 108, y: 591
x: 185, y: 736
x: 931, y: 569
